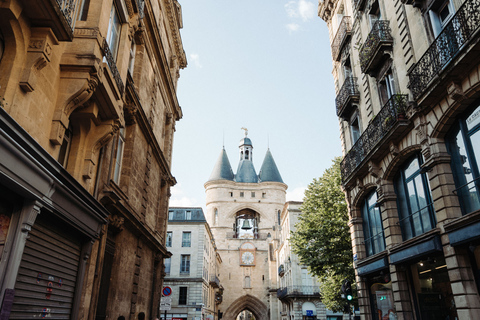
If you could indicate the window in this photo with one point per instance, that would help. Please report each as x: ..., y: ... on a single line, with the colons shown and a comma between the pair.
x: 170, y: 215
x: 113, y: 34
x: 119, y: 156
x: 168, y: 242
x: 242, y: 194
x: 464, y: 146
x: 372, y: 226
x: 414, y: 202
x: 231, y: 194
x: 355, y: 128
x: 182, y: 297
x: 168, y: 263
x: 253, y: 194
x: 131, y: 61
x: 2, y: 45
x: 279, y: 221
x: 386, y: 87
x: 440, y: 14
x: 264, y: 195
x: 186, y: 239
x: 247, y: 282
x: 185, y: 264
x: 188, y: 215
x: 65, y: 147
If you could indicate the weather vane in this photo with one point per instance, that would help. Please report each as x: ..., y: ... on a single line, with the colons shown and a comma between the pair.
x: 246, y: 130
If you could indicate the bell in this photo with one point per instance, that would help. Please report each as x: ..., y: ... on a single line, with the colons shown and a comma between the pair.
x: 246, y: 225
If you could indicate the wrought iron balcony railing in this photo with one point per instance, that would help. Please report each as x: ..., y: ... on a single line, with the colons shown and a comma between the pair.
x: 359, y: 5
x: 113, y: 66
x: 347, y: 94
x: 256, y: 235
x: 340, y: 39
x: 69, y: 9
x: 448, y: 43
x: 384, y: 121
x: 298, y: 291
x: 371, y: 51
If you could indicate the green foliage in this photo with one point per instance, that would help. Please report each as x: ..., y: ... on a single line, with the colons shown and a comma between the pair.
x: 322, y: 237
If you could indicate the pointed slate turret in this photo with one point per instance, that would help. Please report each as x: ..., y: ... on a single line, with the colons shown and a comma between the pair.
x: 223, y: 169
x: 269, y: 170
x: 245, y: 171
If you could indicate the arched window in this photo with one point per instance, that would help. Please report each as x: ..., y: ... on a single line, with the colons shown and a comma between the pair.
x: 372, y: 225
x: 215, y: 221
x: 246, y: 154
x: 246, y: 225
x: 415, y: 208
x: 464, y: 146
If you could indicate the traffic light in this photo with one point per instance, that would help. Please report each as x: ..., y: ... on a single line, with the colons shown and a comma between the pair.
x: 347, y: 290
x: 220, y: 314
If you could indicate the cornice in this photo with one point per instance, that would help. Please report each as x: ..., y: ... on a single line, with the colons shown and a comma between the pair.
x: 172, y: 6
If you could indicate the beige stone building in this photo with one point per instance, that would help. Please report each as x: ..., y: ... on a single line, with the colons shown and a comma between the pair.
x: 88, y: 111
x: 407, y: 81
x: 298, y: 292
x: 242, y: 209
x: 192, y: 270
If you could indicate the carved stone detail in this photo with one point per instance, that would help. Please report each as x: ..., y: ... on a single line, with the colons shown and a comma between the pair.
x: 423, y: 137
x: 116, y: 223
x: 394, y: 149
x: 455, y: 91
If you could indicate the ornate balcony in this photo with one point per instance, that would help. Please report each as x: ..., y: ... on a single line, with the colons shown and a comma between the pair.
x: 341, y: 38
x: 445, y: 48
x: 346, y: 96
x: 113, y: 67
x: 281, y: 270
x: 214, y: 281
x: 359, y: 5
x: 389, y: 122
x: 60, y: 15
x: 298, y: 291
x: 372, y: 52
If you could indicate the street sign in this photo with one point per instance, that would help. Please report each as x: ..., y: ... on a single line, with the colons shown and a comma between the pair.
x: 309, y: 313
x: 166, y: 291
x: 165, y: 303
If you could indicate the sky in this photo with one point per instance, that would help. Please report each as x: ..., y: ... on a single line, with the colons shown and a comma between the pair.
x: 264, y: 65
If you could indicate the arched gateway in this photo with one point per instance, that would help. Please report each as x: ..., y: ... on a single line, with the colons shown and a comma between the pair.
x: 242, y: 211
x: 247, y: 302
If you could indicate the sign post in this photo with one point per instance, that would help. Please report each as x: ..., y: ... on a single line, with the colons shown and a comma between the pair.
x: 166, y: 300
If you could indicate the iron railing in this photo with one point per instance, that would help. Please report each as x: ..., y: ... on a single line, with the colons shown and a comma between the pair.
x: 359, y: 4
x: 448, y: 43
x: 281, y: 270
x: 344, y: 30
x: 376, y: 130
x: 348, y: 90
x: 298, y: 291
x: 113, y: 66
x: 418, y: 222
x: 379, y: 34
x: 256, y: 235
x: 375, y: 244
x: 69, y: 10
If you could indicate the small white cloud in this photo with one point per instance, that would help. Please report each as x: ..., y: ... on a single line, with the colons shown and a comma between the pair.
x: 302, y: 9
x: 296, y: 194
x: 196, y: 60
x: 179, y: 199
x: 292, y: 27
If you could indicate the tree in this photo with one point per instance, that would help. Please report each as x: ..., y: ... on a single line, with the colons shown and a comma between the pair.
x: 322, y: 237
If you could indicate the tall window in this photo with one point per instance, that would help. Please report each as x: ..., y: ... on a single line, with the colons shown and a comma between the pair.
x: 355, y: 128
x: 247, y: 282
x: 372, y: 225
x: 387, y: 87
x: 168, y: 242
x: 182, y: 297
x: 464, y: 147
x: 170, y: 215
x: 414, y: 200
x: 113, y: 34
x: 65, y: 147
x: 186, y: 239
x: 279, y: 221
x: 119, y: 156
x: 131, y: 61
x: 189, y: 215
x: 168, y: 263
x: 185, y: 263
x: 216, y: 217
x: 440, y: 14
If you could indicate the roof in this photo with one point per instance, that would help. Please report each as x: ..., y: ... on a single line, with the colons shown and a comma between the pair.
x: 269, y: 170
x: 245, y: 142
x: 246, y: 172
x: 222, y: 169
x: 194, y: 214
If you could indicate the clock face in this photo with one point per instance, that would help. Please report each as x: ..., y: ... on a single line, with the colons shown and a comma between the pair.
x: 247, y: 258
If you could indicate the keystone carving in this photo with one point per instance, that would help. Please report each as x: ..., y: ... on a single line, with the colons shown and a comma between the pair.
x: 455, y: 91
x: 115, y: 222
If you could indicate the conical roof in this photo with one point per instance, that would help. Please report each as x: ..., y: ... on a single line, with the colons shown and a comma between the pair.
x: 223, y: 169
x: 269, y: 170
x: 246, y: 172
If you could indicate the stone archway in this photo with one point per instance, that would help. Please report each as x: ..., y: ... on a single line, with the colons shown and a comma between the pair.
x: 248, y: 302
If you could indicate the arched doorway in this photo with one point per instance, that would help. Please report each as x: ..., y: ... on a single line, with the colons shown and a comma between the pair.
x: 248, y: 307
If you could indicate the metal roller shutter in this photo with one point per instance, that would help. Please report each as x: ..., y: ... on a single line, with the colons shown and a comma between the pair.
x: 46, y: 279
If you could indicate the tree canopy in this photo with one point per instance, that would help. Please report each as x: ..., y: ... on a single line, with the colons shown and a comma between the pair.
x: 322, y: 237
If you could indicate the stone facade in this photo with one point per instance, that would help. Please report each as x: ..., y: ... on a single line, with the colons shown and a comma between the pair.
x: 407, y: 75
x: 192, y: 270
x: 88, y: 112
x: 299, y: 293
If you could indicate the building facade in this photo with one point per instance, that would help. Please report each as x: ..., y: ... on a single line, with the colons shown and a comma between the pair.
x: 192, y: 270
x: 407, y: 82
x: 242, y: 209
x: 299, y: 293
x: 87, y: 114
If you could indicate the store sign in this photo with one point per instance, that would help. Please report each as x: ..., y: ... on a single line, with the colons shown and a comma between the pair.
x: 309, y: 313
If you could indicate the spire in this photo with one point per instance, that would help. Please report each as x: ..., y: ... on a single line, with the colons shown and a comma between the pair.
x: 269, y: 170
x: 223, y: 169
x: 246, y: 171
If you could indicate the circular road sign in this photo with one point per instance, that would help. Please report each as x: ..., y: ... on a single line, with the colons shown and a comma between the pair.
x: 166, y: 291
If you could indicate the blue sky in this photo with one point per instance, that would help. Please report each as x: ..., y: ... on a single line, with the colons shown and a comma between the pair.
x: 264, y: 65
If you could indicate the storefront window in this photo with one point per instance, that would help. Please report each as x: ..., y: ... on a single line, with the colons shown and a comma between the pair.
x: 433, y: 289
x: 381, y: 297
x: 372, y: 225
x: 5, y: 216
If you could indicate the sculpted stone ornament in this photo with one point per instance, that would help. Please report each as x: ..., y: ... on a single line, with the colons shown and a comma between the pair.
x: 115, y: 222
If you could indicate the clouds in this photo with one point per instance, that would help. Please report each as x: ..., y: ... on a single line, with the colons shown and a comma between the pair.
x: 196, y: 60
x: 296, y: 194
x: 179, y: 198
x: 301, y: 9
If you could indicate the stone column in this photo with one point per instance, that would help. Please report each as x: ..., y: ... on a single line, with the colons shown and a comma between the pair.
x: 401, y: 295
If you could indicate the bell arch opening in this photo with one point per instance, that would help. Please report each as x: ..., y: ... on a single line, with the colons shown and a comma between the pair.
x: 246, y: 224
x: 246, y: 307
